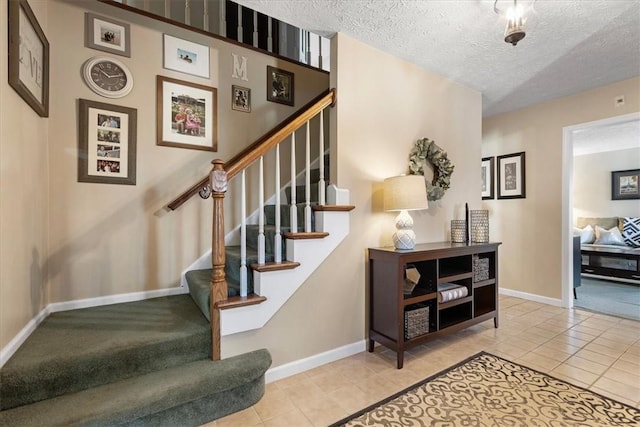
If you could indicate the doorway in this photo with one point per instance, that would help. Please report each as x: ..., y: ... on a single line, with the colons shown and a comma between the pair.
x: 571, y: 138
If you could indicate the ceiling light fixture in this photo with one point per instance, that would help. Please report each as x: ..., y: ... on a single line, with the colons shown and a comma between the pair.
x: 515, y: 14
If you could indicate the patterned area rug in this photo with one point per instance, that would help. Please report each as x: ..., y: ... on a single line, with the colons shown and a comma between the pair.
x: 486, y: 390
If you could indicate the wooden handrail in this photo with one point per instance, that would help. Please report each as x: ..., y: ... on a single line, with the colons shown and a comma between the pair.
x: 263, y: 144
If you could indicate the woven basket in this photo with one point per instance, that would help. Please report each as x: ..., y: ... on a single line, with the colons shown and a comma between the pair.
x: 416, y: 322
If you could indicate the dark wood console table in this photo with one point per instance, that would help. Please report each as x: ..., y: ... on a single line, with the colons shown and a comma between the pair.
x: 390, y: 307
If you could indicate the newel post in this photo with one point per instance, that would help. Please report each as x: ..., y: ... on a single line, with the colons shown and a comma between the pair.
x: 218, y: 182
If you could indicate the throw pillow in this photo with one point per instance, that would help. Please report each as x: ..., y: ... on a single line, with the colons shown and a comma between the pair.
x: 631, y: 231
x: 611, y: 236
x: 587, y: 235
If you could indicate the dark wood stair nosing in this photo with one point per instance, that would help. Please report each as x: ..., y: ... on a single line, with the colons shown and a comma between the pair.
x: 275, y: 266
x: 333, y: 208
x: 304, y: 235
x: 234, y: 302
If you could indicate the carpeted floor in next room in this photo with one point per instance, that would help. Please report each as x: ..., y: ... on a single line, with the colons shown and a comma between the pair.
x: 594, y: 351
x: 609, y: 297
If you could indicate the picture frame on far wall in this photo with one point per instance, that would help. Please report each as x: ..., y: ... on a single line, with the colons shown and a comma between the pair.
x: 107, y: 34
x: 511, y: 176
x: 187, y: 114
x: 280, y: 86
x: 107, y: 143
x: 241, y: 98
x: 186, y: 57
x: 29, y: 76
x: 625, y: 185
x: 488, y: 182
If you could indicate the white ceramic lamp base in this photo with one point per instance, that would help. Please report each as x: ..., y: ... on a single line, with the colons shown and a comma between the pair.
x: 404, y: 237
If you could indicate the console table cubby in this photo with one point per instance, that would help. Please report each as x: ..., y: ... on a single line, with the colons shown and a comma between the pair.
x: 437, y: 263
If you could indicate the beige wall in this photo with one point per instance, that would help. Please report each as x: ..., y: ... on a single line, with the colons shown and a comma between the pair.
x: 24, y: 211
x: 592, y: 183
x: 80, y: 240
x: 531, y: 228
x: 384, y: 105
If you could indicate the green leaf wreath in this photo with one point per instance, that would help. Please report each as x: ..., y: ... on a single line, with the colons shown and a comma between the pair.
x: 424, y: 151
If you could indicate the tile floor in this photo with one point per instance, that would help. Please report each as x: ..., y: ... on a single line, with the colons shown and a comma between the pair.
x: 598, y: 352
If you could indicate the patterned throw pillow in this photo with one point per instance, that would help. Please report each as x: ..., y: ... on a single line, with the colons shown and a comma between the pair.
x: 631, y: 231
x: 611, y: 236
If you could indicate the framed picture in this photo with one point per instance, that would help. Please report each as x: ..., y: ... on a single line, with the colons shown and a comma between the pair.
x: 107, y: 35
x: 280, y: 86
x: 28, y: 57
x: 187, y: 114
x: 511, y: 176
x: 625, y: 185
x: 487, y: 178
x: 107, y: 146
x: 241, y: 98
x: 186, y: 57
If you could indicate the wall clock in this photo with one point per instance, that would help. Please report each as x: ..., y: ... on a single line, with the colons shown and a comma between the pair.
x: 107, y: 77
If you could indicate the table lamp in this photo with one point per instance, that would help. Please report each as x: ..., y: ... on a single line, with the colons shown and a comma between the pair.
x: 405, y: 193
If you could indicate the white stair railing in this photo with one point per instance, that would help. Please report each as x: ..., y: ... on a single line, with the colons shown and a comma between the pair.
x: 243, y: 235
x: 261, y: 243
x: 321, y: 183
x: 277, y: 244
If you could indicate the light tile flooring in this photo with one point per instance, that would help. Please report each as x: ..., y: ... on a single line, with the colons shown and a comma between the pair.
x: 598, y: 352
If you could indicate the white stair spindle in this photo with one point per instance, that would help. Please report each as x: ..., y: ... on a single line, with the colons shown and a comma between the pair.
x: 277, y: 242
x: 261, y: 247
x: 293, y: 210
x: 243, y: 238
x: 240, y: 23
x: 147, y: 5
x: 187, y: 12
x: 222, y: 20
x: 269, y: 35
x: 205, y: 15
x: 255, y: 28
x: 321, y: 184
x: 307, y: 182
x: 167, y: 9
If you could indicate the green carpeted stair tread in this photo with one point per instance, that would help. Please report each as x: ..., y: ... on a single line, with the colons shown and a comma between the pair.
x: 79, y: 349
x: 285, y: 219
x: 131, y: 399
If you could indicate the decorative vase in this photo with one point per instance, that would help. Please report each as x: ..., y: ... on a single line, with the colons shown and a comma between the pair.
x: 479, y: 220
x: 458, y: 230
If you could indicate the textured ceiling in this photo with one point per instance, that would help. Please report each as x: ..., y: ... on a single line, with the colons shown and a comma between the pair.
x: 570, y: 46
x: 621, y: 136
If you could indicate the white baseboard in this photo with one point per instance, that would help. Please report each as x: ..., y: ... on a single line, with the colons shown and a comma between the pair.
x: 13, y: 345
x: 531, y: 297
x: 302, y: 365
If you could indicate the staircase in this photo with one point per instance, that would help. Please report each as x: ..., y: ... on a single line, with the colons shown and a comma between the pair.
x: 134, y: 364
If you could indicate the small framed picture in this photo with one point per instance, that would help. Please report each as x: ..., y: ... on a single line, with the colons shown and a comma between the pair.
x: 107, y: 146
x: 241, y: 98
x: 107, y: 35
x: 625, y: 185
x: 487, y: 178
x: 186, y: 57
x: 187, y: 114
x: 280, y: 87
x: 511, y: 176
x: 28, y: 57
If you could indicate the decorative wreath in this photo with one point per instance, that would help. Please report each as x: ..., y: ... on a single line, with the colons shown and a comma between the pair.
x: 424, y: 151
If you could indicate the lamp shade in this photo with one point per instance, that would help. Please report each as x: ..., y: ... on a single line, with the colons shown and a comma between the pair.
x: 405, y: 192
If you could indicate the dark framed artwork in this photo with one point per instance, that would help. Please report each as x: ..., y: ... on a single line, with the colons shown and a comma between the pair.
x: 186, y: 114
x: 107, y: 145
x: 107, y: 35
x: 511, y: 176
x: 241, y: 98
x: 28, y: 57
x: 625, y: 185
x: 488, y: 182
x: 280, y: 86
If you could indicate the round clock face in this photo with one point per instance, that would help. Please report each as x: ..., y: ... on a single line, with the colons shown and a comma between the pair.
x: 108, y: 77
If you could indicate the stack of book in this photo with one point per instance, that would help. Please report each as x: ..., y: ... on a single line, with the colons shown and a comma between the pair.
x: 450, y: 291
